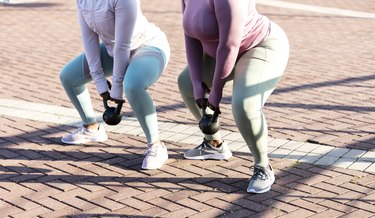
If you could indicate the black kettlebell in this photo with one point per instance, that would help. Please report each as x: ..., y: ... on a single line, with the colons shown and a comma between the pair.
x: 209, y: 123
x: 112, y: 115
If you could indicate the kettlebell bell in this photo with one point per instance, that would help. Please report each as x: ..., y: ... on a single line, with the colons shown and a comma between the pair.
x: 209, y: 123
x: 112, y: 115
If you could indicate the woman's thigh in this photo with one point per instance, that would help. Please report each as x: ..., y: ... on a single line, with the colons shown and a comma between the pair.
x: 77, y: 72
x: 145, y: 67
x: 259, y: 70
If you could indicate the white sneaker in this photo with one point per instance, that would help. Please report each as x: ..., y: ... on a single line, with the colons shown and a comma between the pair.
x: 83, y: 135
x: 156, y: 156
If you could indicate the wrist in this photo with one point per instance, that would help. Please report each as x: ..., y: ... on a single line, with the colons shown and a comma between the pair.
x: 101, y: 86
x: 116, y: 91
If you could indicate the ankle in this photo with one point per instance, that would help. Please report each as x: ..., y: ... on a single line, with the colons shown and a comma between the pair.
x: 157, y: 142
x: 215, y: 143
x: 92, y: 126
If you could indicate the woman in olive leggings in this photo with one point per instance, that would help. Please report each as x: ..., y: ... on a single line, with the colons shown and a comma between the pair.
x: 227, y: 42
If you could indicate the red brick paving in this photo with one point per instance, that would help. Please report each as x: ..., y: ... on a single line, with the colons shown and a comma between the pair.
x: 324, y: 97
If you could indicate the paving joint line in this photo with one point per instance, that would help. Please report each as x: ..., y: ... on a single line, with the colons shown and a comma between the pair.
x: 304, y: 152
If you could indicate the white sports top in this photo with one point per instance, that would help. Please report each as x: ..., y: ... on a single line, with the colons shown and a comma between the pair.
x: 121, y: 26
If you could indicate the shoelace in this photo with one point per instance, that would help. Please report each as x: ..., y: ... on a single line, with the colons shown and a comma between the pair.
x: 80, y: 130
x: 206, y: 146
x: 202, y: 146
x: 260, y: 173
x: 151, y: 151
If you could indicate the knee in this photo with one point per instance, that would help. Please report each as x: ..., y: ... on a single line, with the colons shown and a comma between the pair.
x: 64, y: 76
x: 180, y: 82
x: 238, y: 108
x: 242, y: 107
x: 133, y: 89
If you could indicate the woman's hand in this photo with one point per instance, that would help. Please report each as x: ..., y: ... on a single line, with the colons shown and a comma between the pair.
x: 215, y: 109
x: 202, y: 103
x: 106, y: 96
x: 117, y: 100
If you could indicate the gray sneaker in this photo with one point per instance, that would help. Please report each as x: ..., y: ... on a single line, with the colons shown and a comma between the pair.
x: 262, y: 180
x: 206, y: 151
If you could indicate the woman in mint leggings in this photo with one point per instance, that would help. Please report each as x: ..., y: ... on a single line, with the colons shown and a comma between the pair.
x: 229, y: 42
x: 134, y: 52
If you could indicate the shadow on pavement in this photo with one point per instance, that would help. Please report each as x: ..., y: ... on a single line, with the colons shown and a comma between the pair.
x: 343, y: 82
x: 297, y: 185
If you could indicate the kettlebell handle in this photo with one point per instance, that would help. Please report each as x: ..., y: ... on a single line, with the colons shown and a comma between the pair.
x: 216, y: 113
x: 215, y: 116
x: 105, y: 103
x: 109, y: 85
x: 118, y: 108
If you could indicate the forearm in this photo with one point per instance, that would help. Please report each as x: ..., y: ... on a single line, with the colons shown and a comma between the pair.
x: 231, y: 17
x: 90, y: 41
x: 225, y: 61
x: 121, y: 61
x: 194, y: 53
x: 126, y: 17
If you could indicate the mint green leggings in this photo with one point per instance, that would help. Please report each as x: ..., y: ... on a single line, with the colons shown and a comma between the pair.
x: 254, y: 77
x: 146, y: 65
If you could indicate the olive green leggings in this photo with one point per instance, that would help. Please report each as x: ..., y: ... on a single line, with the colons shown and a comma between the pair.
x: 254, y: 77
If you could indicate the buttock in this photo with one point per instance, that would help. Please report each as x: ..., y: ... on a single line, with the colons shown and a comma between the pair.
x: 276, y: 32
x: 150, y: 51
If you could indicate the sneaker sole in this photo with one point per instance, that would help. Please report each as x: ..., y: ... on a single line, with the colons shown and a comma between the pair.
x: 154, y: 168
x: 210, y: 157
x: 260, y: 191
x: 84, y: 141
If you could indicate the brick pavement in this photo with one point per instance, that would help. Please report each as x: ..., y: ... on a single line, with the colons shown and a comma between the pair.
x: 325, y: 98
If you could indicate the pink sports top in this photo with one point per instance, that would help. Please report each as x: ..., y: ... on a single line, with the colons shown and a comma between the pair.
x: 224, y: 30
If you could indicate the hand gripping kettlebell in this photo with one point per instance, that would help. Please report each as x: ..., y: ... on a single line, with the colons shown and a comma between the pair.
x: 112, y: 115
x: 209, y: 123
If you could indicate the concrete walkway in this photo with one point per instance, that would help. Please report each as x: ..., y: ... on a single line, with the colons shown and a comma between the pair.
x: 190, y: 134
